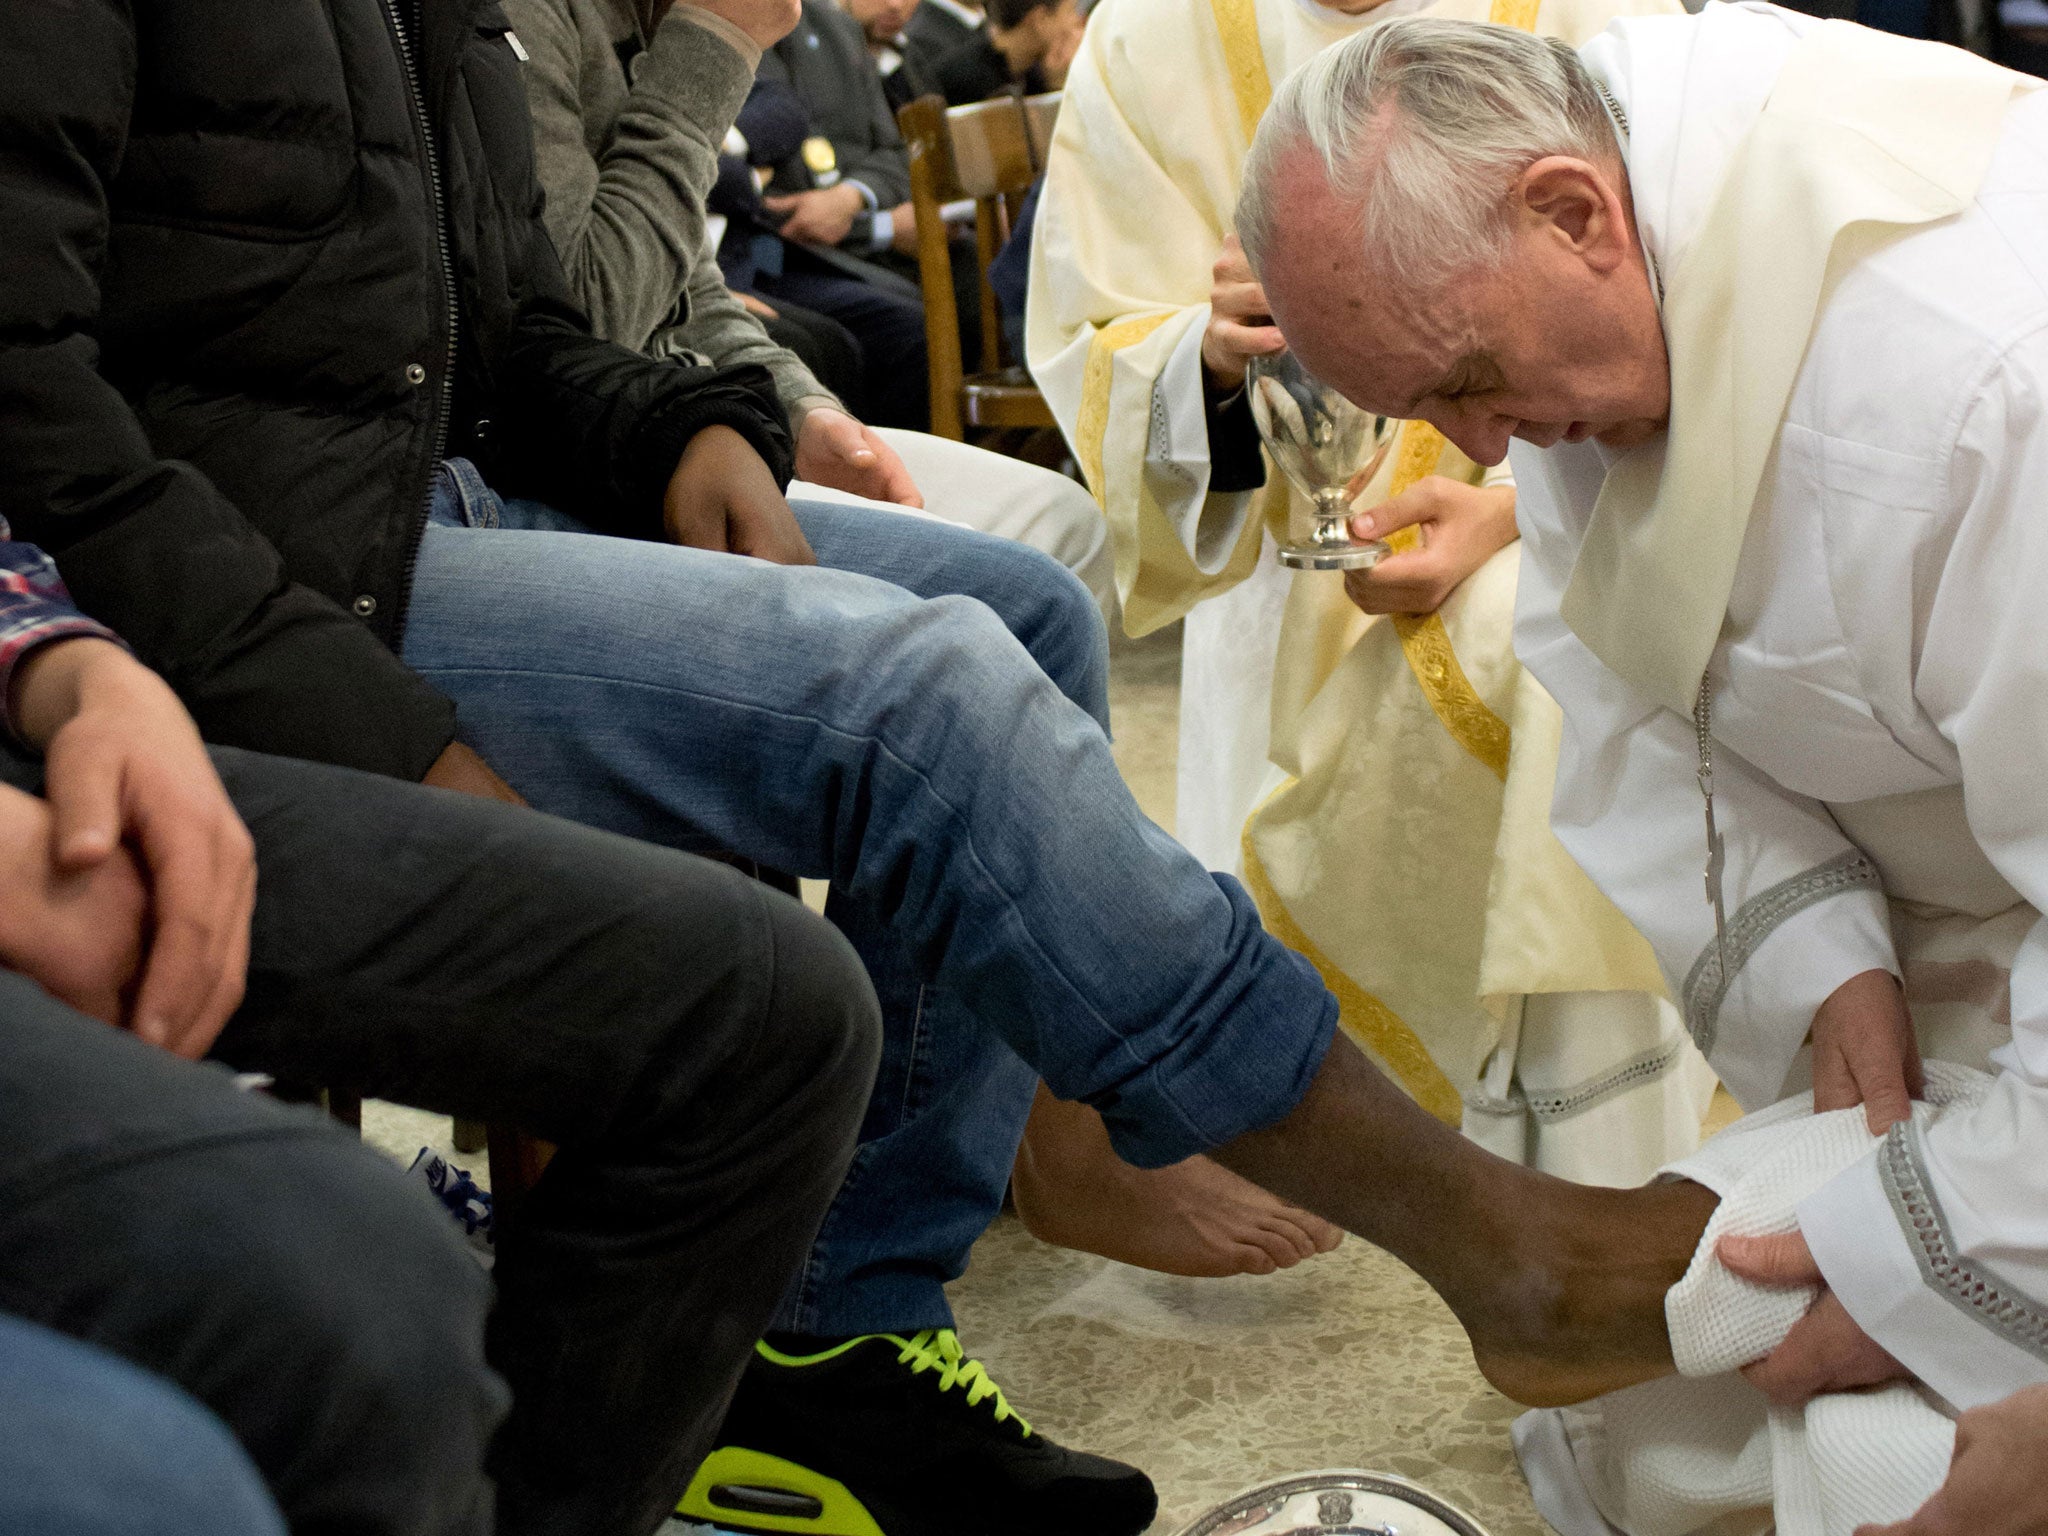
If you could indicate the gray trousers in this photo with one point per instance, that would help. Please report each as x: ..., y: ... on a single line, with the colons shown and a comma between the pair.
x: 700, y: 1047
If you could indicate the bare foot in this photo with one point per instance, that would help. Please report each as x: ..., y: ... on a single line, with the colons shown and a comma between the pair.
x: 1560, y: 1286
x: 1194, y: 1218
x: 1579, y: 1310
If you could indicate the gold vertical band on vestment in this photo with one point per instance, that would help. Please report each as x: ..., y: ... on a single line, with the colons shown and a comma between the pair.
x: 1424, y: 640
x: 1092, y: 421
x: 1237, y: 23
x: 1361, y: 1015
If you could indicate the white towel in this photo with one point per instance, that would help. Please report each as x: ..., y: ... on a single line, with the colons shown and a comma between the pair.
x: 1703, y: 1451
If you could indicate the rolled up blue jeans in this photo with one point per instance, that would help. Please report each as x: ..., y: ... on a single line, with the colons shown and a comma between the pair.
x: 919, y: 719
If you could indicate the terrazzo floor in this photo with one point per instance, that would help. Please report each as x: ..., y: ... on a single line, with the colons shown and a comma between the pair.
x: 1212, y: 1385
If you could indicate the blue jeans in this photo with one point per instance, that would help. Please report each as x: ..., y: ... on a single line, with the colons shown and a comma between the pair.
x: 90, y: 1444
x: 919, y: 720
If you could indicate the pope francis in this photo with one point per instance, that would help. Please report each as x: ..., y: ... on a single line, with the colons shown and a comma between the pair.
x: 1399, y: 835
x: 1762, y: 303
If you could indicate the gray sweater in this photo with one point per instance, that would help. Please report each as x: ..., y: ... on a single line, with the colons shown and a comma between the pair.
x: 627, y: 164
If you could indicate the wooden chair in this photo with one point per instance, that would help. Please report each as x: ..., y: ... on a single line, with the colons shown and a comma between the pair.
x: 982, y: 154
x: 1041, y: 112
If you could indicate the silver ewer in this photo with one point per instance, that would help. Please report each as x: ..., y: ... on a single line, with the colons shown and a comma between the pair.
x: 1329, y: 448
x: 1341, y: 1502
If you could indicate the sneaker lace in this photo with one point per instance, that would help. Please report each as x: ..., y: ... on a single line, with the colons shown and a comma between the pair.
x: 938, y: 1349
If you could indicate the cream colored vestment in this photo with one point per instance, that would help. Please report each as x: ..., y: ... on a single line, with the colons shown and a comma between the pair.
x: 1403, y: 840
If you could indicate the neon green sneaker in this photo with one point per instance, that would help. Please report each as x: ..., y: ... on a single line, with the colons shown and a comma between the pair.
x: 887, y: 1435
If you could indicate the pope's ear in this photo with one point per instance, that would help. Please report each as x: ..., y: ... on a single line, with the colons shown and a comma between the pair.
x: 1574, y: 203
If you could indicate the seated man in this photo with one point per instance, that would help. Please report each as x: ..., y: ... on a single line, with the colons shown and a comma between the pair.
x: 1027, y: 46
x: 368, y: 409
x: 623, y: 154
x: 849, y: 189
x: 1476, y: 962
x: 939, y: 26
x: 1795, y: 629
x: 904, y: 76
x: 440, y: 950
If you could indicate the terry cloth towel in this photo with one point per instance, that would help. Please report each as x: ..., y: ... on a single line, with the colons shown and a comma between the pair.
x: 1703, y: 1452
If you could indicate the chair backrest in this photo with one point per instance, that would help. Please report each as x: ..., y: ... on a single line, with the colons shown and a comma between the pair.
x: 983, y: 154
x: 1041, y: 112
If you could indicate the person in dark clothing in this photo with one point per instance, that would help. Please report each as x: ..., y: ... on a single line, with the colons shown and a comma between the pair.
x: 937, y: 27
x: 902, y: 68
x: 700, y: 1044
x: 826, y: 347
x: 849, y: 187
x: 880, y: 307
x: 1026, y: 46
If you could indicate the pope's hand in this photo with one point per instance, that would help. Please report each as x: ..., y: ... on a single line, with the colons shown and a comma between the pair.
x: 835, y: 450
x: 1995, y: 1486
x: 1240, y: 326
x: 1826, y: 1351
x: 1865, y: 1052
x: 1462, y: 528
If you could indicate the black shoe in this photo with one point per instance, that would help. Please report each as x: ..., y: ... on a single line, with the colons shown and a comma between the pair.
x: 884, y: 1435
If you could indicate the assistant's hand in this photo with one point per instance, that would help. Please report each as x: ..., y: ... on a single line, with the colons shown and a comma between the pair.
x: 820, y: 217
x: 1240, y: 326
x: 723, y: 497
x: 1827, y: 1350
x: 1865, y: 1051
x: 767, y: 22
x: 834, y: 449
x: 1463, y: 526
x: 1995, y: 1485
x: 127, y: 776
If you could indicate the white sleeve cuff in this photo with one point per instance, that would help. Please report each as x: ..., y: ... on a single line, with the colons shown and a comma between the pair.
x: 867, y: 193
x: 882, y: 228
x: 1882, y: 1264
x: 1754, y: 1033
x: 1177, y: 459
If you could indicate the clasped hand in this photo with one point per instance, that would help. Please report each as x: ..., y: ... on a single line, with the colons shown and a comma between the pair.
x: 130, y: 886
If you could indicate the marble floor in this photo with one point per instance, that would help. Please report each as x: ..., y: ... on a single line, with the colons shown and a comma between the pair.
x: 1212, y: 1385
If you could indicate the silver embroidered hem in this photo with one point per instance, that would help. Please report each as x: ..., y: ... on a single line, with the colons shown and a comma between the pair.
x: 1706, y: 986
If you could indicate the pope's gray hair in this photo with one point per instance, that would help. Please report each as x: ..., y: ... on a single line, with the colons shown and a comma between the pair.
x: 1423, y: 126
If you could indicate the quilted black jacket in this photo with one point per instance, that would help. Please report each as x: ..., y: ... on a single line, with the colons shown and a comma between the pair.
x: 262, y: 262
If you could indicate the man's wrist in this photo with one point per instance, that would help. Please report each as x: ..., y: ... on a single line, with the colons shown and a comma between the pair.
x: 52, y: 684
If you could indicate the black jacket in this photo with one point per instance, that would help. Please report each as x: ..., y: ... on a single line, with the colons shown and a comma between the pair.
x: 233, y: 237
x: 825, y: 61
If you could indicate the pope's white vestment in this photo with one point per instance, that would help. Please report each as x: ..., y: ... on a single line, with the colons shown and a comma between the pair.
x: 1878, y: 677
x: 1383, y: 786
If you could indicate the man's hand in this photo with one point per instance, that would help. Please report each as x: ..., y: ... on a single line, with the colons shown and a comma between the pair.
x: 79, y: 934
x: 1865, y: 1052
x: 835, y: 450
x: 903, y: 229
x: 723, y: 497
x: 767, y: 22
x: 1995, y: 1481
x: 1240, y: 326
x: 760, y: 309
x: 460, y: 769
x: 1463, y: 526
x: 822, y: 217
x: 1826, y: 1351
x: 123, y: 765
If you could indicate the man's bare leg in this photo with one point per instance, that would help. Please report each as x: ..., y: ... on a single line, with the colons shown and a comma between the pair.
x: 1193, y: 1218
x: 1560, y: 1286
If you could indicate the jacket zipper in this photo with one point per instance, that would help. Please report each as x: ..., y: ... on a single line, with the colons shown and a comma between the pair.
x: 445, y: 401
